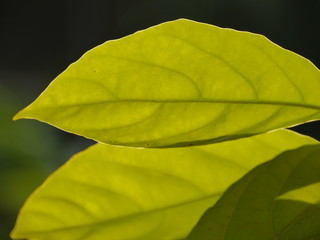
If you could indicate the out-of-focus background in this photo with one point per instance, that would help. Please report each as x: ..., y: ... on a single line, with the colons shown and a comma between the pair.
x: 39, y: 39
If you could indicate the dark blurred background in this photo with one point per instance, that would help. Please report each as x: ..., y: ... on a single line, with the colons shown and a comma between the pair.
x: 39, y: 39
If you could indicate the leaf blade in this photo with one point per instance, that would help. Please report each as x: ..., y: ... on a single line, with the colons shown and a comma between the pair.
x: 252, y: 208
x: 180, y: 83
x: 309, y: 194
x: 123, y: 193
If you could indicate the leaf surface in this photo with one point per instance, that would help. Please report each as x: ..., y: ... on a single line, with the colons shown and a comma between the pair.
x: 309, y: 194
x: 181, y: 83
x: 108, y: 192
x: 251, y: 209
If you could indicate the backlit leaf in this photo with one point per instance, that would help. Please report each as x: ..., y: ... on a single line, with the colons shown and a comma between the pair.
x: 108, y: 192
x: 309, y: 194
x: 251, y: 209
x: 181, y: 83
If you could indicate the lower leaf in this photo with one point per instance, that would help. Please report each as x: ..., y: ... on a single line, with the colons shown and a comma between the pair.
x: 108, y: 192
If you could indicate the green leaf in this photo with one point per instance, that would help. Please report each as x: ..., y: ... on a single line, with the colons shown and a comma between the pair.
x: 309, y: 194
x: 181, y: 83
x: 251, y: 209
x: 108, y: 192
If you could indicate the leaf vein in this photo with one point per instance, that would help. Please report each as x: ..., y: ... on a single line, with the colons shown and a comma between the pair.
x: 280, y: 69
x: 191, y: 80
x: 221, y: 59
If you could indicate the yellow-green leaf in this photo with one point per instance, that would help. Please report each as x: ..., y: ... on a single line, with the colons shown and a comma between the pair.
x: 181, y: 83
x: 117, y: 193
x: 309, y: 194
x: 251, y: 208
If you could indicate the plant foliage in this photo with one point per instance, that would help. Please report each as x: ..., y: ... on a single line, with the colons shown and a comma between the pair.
x: 181, y: 83
x: 249, y: 211
x: 161, y: 91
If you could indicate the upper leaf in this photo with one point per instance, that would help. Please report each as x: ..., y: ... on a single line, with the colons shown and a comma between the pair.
x: 252, y: 209
x: 181, y: 83
x: 117, y: 193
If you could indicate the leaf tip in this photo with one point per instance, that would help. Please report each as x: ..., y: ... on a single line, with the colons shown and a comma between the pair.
x: 13, y: 234
x: 20, y: 115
